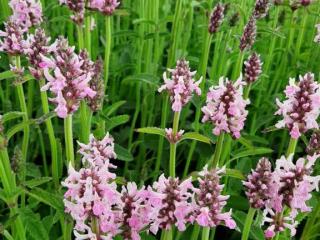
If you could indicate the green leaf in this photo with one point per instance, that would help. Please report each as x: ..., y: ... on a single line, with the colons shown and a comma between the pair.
x: 256, y: 233
x: 142, y: 78
x: 152, y: 130
x: 196, y: 136
x: 33, y: 224
x: 235, y: 173
x: 116, y: 121
x: 122, y: 153
x: 17, y: 128
x: 37, y: 181
x: 114, y: 107
x: 252, y: 152
x: 45, y: 197
x: 6, y: 75
x: 12, y: 115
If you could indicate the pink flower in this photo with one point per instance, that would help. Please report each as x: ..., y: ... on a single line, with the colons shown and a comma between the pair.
x: 261, y: 8
x: 70, y: 82
x: 173, y: 138
x: 249, y: 34
x: 107, y: 7
x: 216, y: 18
x: 302, y: 107
x: 11, y: 40
x: 77, y: 7
x: 259, y: 184
x: 209, y: 201
x: 98, y: 153
x: 181, y: 85
x: 252, y: 68
x: 26, y: 13
x: 226, y: 107
x: 170, y: 200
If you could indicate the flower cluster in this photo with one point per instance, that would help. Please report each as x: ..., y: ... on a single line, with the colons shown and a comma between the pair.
x: 26, y: 13
x: 77, y: 7
x: 259, y: 183
x: 12, y: 39
x: 71, y: 77
x: 290, y: 185
x: 301, y: 108
x: 249, y: 34
x: 173, y: 138
x: 107, y: 7
x: 216, y: 18
x: 225, y: 107
x: 252, y: 68
x: 97, y: 85
x: 209, y: 201
x: 181, y: 85
x: 101, y: 211
x: 317, y: 37
x: 261, y: 8
x: 36, y: 45
x: 314, y: 144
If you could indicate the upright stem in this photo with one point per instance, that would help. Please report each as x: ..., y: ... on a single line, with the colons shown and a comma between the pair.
x: 168, y: 234
x: 238, y: 68
x: 107, y: 49
x: 247, y: 224
x: 173, y: 146
x: 69, y: 139
x: 292, y: 146
x: 217, y: 152
x: 247, y: 91
x: 25, y: 141
x: 52, y: 139
x: 205, y: 233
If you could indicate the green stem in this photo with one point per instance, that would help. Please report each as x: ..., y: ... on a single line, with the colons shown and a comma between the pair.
x: 238, y: 68
x: 195, y: 232
x: 205, y: 233
x: 217, y: 152
x: 168, y: 234
x: 247, y: 91
x: 107, y: 49
x: 292, y: 146
x: 247, y: 224
x: 173, y: 146
x: 52, y: 138
x: 80, y: 37
x: 87, y: 35
x: 311, y: 221
x: 69, y: 139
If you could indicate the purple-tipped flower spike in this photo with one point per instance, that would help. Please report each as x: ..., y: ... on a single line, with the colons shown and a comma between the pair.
x: 70, y: 82
x: 259, y: 183
x: 249, y: 35
x: 302, y: 107
x: 225, y: 107
x: 209, y: 201
x: 181, y: 85
x: 26, y: 13
x: 97, y: 85
x: 91, y: 194
x: 314, y: 144
x: 253, y: 68
x: 77, y: 7
x: 171, y: 202
x: 317, y: 37
x: 11, y: 40
x: 278, y: 223
x: 295, y: 182
x: 261, y: 8
x: 98, y: 153
x: 136, y: 212
x: 216, y: 18
x: 107, y: 7
x: 36, y: 45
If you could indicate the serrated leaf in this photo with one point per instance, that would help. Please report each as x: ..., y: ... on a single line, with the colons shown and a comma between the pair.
x: 45, y: 197
x: 122, y: 153
x: 37, y: 181
x: 196, y: 136
x: 33, y: 224
x: 252, y: 152
x: 116, y: 121
x: 152, y: 130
